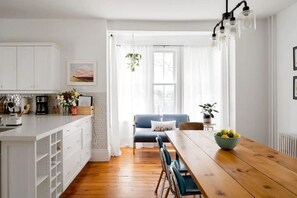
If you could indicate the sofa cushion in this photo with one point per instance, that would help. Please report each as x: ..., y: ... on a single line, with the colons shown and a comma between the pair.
x: 144, y: 120
x: 178, y: 117
x: 149, y: 136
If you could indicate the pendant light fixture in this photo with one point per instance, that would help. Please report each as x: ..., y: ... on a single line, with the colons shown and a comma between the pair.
x: 230, y: 27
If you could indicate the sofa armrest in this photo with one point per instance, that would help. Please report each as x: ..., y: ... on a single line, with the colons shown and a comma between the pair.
x: 134, y: 129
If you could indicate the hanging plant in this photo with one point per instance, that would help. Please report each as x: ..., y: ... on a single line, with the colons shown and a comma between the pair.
x: 134, y: 60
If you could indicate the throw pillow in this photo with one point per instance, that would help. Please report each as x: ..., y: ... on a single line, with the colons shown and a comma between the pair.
x: 163, y: 126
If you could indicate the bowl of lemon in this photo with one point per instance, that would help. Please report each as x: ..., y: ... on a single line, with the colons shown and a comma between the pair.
x: 227, y: 139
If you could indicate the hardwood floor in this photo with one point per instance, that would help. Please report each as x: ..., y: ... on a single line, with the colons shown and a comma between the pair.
x: 122, y: 177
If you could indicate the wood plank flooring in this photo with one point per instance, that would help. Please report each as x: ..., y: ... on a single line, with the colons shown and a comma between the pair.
x: 122, y: 177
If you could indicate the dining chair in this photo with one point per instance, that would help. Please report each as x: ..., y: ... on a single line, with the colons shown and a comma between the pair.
x: 183, y: 185
x: 191, y: 126
x: 167, y: 163
x: 180, y: 166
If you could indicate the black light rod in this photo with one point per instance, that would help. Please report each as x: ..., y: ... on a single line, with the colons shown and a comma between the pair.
x: 239, y: 4
x: 226, y: 6
x: 214, y: 29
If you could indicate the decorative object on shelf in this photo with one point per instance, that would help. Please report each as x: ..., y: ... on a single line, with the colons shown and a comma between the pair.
x: 230, y: 27
x: 133, y: 58
x: 68, y: 99
x: 208, y: 110
x: 85, y: 101
x: 81, y: 72
x: 227, y: 139
x: 295, y: 58
x: 295, y: 87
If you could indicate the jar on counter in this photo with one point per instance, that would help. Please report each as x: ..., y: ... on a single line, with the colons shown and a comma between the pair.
x: 74, y: 110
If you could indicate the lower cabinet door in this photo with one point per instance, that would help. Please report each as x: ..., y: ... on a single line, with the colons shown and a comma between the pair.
x: 71, y: 168
x: 86, y: 153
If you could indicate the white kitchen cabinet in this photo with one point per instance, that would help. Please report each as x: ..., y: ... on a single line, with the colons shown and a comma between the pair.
x: 76, y: 149
x: 46, y: 70
x: 7, y: 68
x: 36, y: 69
x: 25, y: 68
x: 45, y: 166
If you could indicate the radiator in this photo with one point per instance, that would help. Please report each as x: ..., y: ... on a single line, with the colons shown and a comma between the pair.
x: 287, y: 143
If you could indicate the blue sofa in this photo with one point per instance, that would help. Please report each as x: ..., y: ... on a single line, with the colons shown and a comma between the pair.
x: 142, y: 122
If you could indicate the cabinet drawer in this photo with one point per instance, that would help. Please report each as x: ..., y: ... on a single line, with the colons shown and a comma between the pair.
x: 86, y: 153
x: 71, y: 168
x: 71, y: 129
x: 72, y: 143
x: 87, y: 122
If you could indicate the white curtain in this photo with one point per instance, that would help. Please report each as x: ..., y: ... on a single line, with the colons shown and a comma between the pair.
x: 113, y: 125
x: 203, y: 82
x: 134, y: 90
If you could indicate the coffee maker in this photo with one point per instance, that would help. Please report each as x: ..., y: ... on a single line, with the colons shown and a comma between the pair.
x: 41, y: 105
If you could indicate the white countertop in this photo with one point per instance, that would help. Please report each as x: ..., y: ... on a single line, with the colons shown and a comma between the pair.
x: 35, y: 127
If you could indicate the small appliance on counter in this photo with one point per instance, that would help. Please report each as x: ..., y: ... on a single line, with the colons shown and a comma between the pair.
x: 41, y: 105
x: 14, y: 120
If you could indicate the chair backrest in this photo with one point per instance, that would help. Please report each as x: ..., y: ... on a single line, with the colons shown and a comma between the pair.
x: 178, y: 117
x: 167, y: 163
x: 191, y: 126
x: 144, y: 120
x: 178, y: 182
x: 160, y: 142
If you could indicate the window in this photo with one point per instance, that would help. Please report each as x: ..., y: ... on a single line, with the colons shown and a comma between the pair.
x: 165, y: 81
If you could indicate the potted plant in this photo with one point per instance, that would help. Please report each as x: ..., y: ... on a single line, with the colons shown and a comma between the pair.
x: 134, y: 59
x: 208, y: 110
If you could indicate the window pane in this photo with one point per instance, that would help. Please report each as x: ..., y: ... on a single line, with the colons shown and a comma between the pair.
x: 158, y: 67
x: 164, y: 98
x: 168, y: 67
x: 164, y: 70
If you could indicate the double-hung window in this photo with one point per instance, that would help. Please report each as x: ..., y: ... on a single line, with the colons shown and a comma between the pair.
x: 166, y: 80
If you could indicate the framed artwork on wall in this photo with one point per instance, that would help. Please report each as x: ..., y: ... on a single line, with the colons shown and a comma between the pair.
x: 295, y: 87
x: 295, y: 58
x: 81, y: 72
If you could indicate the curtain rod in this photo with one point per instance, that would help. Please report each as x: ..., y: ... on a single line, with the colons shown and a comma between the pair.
x: 156, y: 45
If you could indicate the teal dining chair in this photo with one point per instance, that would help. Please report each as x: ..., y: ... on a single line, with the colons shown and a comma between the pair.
x: 167, y: 163
x: 183, y: 185
x: 180, y: 166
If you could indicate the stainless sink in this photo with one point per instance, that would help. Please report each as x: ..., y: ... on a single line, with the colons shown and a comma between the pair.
x: 3, y: 129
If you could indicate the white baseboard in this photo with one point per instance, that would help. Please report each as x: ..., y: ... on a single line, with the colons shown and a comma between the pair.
x: 100, y: 155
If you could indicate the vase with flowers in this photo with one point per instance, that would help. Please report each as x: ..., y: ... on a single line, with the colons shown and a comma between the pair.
x: 67, y: 100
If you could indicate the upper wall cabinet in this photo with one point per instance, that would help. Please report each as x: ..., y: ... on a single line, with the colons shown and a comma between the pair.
x: 7, y: 68
x: 36, y: 67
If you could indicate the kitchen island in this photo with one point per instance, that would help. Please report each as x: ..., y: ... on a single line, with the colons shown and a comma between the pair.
x: 41, y: 157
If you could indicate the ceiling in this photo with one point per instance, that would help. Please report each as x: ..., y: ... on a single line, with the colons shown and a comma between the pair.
x: 133, y: 9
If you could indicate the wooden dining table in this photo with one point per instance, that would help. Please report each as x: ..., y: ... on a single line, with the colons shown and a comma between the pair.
x: 251, y: 169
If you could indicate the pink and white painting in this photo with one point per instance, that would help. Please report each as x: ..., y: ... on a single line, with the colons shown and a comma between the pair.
x: 81, y: 73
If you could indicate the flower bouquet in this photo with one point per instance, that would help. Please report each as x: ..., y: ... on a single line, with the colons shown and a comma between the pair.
x: 67, y: 100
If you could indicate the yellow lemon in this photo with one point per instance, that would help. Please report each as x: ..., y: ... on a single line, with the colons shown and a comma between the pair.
x: 224, y: 131
x: 224, y: 136
x: 231, y: 131
x: 236, y: 135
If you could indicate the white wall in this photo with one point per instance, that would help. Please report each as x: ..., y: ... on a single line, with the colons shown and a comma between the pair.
x: 252, y: 83
x: 286, y: 38
x: 126, y: 25
x: 77, y: 39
